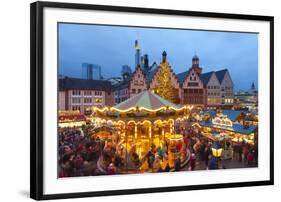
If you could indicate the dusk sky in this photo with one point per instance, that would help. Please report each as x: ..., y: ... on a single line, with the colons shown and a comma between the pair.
x: 113, y: 46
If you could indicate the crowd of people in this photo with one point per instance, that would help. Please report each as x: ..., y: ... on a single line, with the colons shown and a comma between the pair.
x: 78, y: 154
x: 82, y: 155
x: 200, y: 148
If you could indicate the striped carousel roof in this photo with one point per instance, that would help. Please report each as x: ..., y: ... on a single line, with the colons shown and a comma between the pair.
x: 146, y: 99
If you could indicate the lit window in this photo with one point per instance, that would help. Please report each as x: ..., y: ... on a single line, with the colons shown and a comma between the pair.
x: 98, y: 100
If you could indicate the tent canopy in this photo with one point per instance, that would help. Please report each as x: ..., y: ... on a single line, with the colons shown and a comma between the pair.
x: 146, y: 99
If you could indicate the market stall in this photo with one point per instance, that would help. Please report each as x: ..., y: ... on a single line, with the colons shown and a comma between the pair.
x: 222, y: 127
x: 71, y: 119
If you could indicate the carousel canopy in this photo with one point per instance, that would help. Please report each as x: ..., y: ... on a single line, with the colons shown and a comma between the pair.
x: 146, y: 99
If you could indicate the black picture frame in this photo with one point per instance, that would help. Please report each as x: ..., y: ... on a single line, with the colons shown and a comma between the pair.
x: 36, y: 98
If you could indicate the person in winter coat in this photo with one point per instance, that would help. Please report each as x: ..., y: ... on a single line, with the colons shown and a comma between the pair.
x: 250, y: 158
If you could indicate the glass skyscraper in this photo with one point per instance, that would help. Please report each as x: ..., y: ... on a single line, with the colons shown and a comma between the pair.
x: 91, y: 71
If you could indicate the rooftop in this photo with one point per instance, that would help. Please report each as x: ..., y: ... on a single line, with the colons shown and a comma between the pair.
x: 69, y: 83
x: 181, y: 76
x: 220, y: 74
x: 232, y: 114
x: 145, y: 99
x: 205, y: 77
x: 236, y: 127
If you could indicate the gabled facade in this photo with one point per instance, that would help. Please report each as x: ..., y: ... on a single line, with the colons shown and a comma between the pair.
x: 137, y: 82
x: 226, y: 87
x: 130, y: 86
x: 213, y: 91
x: 210, y: 90
x: 192, y: 88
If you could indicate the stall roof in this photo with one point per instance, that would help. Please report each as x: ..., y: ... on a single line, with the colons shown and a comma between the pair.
x: 236, y: 127
x: 211, y: 113
x: 232, y: 114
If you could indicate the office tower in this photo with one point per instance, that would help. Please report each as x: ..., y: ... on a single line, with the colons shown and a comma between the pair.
x: 137, y: 54
x: 91, y: 71
x: 126, y: 71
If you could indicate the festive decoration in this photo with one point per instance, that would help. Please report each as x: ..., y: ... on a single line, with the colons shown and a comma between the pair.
x: 164, y: 86
x: 140, y: 135
x: 222, y: 120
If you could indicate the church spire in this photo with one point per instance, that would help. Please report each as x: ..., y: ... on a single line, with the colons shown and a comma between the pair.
x: 253, y: 86
x: 195, y: 64
x: 164, y: 56
x: 195, y: 61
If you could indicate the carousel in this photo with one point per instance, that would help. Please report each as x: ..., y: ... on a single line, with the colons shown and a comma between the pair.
x: 142, y: 126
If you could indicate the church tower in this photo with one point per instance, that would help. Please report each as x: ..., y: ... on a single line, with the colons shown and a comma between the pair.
x: 195, y: 61
x: 195, y: 64
x: 253, y: 87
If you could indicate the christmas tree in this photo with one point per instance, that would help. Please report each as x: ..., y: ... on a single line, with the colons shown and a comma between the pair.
x: 165, y: 87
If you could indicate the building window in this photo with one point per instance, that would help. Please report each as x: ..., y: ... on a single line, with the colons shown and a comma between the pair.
x: 87, y: 92
x: 75, y: 108
x: 87, y: 100
x: 192, y: 84
x: 76, y: 92
x: 76, y: 100
x: 98, y: 93
x: 133, y: 91
x: 139, y: 90
x: 98, y: 100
